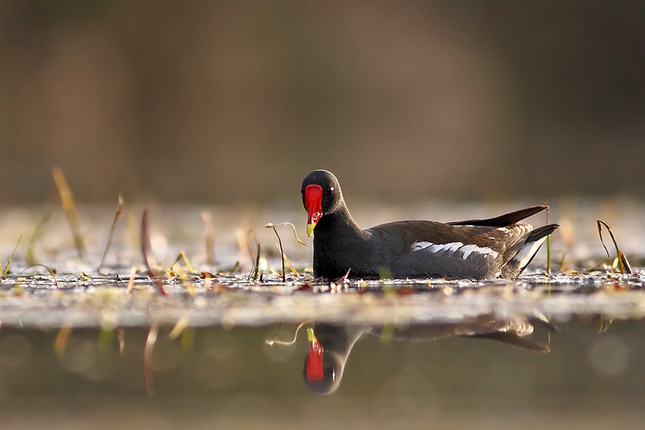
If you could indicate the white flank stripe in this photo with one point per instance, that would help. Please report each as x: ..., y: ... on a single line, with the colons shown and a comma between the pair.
x: 436, y: 247
x: 453, y: 247
x: 468, y: 249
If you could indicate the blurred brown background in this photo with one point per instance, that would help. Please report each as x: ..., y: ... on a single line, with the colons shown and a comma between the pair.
x: 218, y: 102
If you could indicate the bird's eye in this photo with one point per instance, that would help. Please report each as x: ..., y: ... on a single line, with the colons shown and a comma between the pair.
x: 329, y: 191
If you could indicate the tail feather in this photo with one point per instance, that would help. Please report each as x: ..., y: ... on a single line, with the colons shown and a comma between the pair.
x: 504, y: 220
x: 513, y: 339
x: 528, y: 250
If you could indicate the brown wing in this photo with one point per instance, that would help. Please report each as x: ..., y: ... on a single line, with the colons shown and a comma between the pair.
x: 431, y: 249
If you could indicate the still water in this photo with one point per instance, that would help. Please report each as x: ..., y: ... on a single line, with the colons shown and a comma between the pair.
x: 215, y: 377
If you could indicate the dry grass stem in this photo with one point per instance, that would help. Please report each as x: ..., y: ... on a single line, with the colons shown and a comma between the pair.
x: 133, y: 272
x: 147, y: 358
x: 178, y: 328
x: 293, y: 227
x: 293, y: 269
x: 144, y: 252
x: 209, y: 238
x: 280, y: 249
x: 182, y: 256
x: 119, y: 211
x: 121, y: 336
x: 622, y: 260
x: 255, y: 272
x: 61, y: 339
x: 249, y: 243
x: 275, y: 340
x: 603, y: 325
x: 241, y: 245
x: 70, y: 209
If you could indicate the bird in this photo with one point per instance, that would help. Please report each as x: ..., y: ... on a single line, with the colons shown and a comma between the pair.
x: 328, y: 352
x: 499, y: 247
x: 330, y: 345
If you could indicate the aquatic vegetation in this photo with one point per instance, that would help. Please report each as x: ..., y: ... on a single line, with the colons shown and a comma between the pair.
x: 6, y: 270
x: 119, y: 211
x: 67, y: 201
x: 623, y: 264
x: 283, y: 257
x: 144, y: 251
x: 172, y: 285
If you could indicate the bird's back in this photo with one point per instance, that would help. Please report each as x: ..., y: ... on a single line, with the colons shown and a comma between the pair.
x: 433, y: 249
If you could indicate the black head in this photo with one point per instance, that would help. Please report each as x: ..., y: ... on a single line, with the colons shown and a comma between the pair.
x: 331, y: 375
x: 321, y: 196
x: 325, y: 362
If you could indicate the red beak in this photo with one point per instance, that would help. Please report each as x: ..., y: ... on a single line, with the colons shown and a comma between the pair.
x: 315, y: 370
x: 313, y: 202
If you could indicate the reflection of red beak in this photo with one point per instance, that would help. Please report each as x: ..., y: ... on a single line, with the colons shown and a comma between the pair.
x: 313, y: 202
x: 315, y: 369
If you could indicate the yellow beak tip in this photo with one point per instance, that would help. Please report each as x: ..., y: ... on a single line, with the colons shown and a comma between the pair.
x: 310, y: 229
x: 310, y: 335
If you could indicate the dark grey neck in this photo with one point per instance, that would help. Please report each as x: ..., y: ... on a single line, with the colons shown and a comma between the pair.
x: 338, y: 245
x: 338, y: 339
x: 338, y: 222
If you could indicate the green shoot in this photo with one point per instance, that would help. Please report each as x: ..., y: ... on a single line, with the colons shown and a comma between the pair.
x: 187, y: 340
x: 51, y: 271
x: 6, y: 270
x: 105, y: 340
x: 31, y: 260
x: 548, y: 246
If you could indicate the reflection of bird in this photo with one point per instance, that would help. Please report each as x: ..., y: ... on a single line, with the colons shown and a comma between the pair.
x: 329, y: 348
x: 330, y: 345
x: 489, y: 248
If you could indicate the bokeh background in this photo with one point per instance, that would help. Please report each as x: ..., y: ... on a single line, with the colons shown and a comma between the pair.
x: 236, y: 101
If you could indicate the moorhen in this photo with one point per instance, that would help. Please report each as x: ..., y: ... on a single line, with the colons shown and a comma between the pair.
x: 330, y: 345
x: 474, y: 249
x: 328, y: 353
